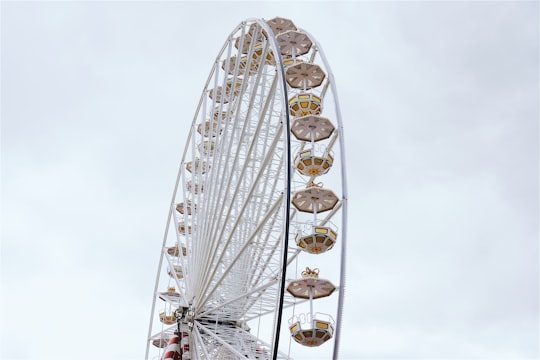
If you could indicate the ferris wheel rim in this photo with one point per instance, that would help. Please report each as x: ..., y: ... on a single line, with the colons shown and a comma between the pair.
x: 344, y: 198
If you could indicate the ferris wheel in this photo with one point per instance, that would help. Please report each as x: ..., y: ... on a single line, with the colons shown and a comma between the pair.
x: 252, y: 261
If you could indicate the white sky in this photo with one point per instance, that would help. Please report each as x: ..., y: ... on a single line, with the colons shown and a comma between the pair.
x: 440, y: 108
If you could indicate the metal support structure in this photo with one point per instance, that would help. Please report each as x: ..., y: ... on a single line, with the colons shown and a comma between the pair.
x: 238, y: 252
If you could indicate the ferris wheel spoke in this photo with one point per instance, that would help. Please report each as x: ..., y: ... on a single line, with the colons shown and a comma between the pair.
x: 240, y: 113
x: 263, y: 259
x: 199, y: 345
x: 224, y: 193
x: 253, y: 313
x: 249, y: 294
x: 332, y: 212
x: 231, y: 170
x: 241, y: 210
x: 243, y: 270
x: 249, y: 242
x: 231, y: 340
x: 202, y: 247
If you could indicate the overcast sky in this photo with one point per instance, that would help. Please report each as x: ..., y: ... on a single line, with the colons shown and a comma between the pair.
x: 440, y: 109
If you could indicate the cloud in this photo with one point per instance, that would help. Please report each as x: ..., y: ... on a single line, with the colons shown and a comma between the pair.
x: 440, y: 108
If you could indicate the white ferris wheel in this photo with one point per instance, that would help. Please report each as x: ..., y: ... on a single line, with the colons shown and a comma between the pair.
x: 252, y: 261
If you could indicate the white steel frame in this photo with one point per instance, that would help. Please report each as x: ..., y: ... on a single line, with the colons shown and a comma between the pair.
x: 238, y: 248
